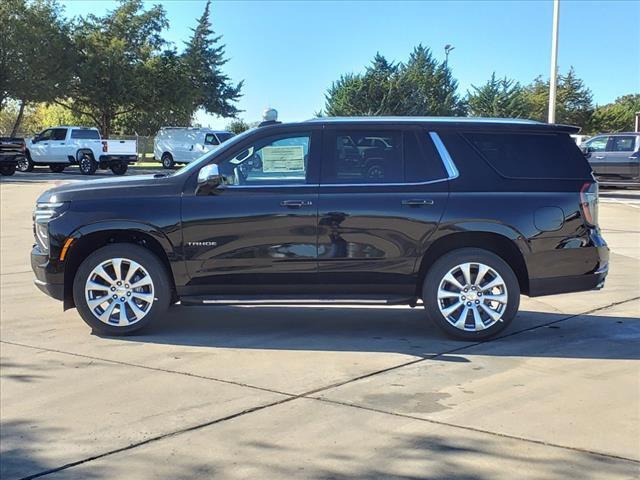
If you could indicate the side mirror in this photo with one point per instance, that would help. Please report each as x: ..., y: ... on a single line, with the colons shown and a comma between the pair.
x: 209, y: 175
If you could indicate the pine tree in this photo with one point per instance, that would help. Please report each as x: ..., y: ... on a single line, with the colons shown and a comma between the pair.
x: 204, y: 57
x: 499, y: 97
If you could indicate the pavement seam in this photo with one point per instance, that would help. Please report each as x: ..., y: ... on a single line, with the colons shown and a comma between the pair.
x: 474, y: 429
x: 308, y: 396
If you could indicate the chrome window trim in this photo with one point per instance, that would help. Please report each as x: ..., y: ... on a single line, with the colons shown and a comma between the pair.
x: 445, y: 157
x: 450, y: 167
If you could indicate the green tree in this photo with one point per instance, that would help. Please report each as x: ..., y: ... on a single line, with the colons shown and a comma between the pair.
x: 115, y: 58
x: 237, y: 126
x: 574, y: 104
x: 204, y: 57
x: 499, y: 97
x: 422, y: 86
x: 618, y: 116
x: 35, y: 53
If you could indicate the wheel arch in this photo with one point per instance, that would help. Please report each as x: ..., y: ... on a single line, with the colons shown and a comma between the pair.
x: 92, y: 237
x: 497, y: 243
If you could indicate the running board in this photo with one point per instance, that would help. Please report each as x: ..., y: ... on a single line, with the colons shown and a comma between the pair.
x: 297, y: 300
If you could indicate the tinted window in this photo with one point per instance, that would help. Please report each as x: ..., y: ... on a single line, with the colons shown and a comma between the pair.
x: 422, y: 162
x: 85, y: 134
x: 210, y: 139
x: 223, y: 137
x: 597, y: 144
x: 59, y: 134
x: 624, y: 144
x: 280, y: 160
x: 46, y: 135
x: 364, y: 156
x: 531, y: 155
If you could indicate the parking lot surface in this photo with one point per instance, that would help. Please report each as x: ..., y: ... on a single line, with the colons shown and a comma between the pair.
x: 320, y: 392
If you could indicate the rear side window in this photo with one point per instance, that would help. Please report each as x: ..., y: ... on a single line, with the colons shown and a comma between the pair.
x: 624, y: 144
x: 85, y: 134
x: 531, y: 155
x: 59, y: 134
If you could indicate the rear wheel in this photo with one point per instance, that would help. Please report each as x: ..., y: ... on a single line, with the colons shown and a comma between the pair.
x: 87, y: 164
x: 120, y: 289
x: 57, y: 167
x: 25, y: 164
x: 7, y: 170
x: 167, y: 161
x: 119, y: 168
x: 471, y: 294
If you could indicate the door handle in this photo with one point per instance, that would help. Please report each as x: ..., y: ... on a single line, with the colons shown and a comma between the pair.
x: 296, y: 203
x: 599, y: 158
x: 416, y: 202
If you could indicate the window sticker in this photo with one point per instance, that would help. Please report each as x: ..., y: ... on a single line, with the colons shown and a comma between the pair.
x: 283, y: 159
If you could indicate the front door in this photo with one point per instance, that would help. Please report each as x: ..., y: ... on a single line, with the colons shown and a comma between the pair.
x: 597, y: 155
x: 256, y: 233
x: 382, y: 194
x: 39, y: 148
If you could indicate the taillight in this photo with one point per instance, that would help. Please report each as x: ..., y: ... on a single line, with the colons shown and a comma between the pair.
x: 105, y: 148
x: 589, y: 203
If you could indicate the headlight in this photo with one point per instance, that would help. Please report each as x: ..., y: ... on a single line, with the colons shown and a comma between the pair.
x: 42, y: 215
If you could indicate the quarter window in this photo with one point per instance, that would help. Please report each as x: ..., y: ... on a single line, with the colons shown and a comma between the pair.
x: 624, y: 144
x: 280, y: 160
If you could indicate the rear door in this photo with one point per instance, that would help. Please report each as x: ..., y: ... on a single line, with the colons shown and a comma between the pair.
x: 621, y: 163
x: 58, y: 145
x: 379, y: 202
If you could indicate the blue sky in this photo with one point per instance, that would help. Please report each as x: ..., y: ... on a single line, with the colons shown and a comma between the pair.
x: 289, y: 52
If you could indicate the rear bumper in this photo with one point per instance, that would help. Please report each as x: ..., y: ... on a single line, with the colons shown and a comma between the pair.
x: 576, y: 269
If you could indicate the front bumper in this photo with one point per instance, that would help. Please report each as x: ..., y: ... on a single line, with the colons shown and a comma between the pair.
x: 47, y: 281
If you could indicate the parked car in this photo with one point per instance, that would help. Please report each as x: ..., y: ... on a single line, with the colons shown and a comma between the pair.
x: 615, y: 158
x: 60, y: 147
x: 580, y: 139
x: 174, y: 145
x: 11, y: 151
x: 462, y: 214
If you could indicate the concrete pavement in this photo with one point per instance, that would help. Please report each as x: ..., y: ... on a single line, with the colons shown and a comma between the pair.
x: 319, y: 392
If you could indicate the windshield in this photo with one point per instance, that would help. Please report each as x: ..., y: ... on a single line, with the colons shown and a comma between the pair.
x: 223, y: 137
x: 204, y: 159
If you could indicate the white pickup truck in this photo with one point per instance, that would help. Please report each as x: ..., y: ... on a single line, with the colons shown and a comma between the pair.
x: 59, y: 147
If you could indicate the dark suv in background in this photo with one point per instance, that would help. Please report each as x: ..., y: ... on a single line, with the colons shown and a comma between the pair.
x: 615, y: 158
x: 462, y: 214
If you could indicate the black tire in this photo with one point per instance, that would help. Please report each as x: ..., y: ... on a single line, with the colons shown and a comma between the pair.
x: 7, y: 170
x: 167, y: 161
x: 87, y: 163
x: 25, y: 164
x: 445, y: 264
x: 119, y: 168
x: 149, y: 261
x: 57, y: 167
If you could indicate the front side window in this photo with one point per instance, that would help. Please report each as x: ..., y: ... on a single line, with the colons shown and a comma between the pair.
x: 597, y: 144
x: 223, y: 137
x: 46, y: 135
x: 210, y: 139
x: 365, y: 156
x: 278, y: 160
x: 624, y: 144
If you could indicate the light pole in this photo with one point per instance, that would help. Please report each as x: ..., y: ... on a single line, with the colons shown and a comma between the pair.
x: 553, y: 78
x: 447, y: 50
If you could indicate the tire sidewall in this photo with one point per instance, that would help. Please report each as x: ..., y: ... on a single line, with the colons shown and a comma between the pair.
x: 25, y: 165
x: 456, y: 257
x: 87, y: 164
x: 167, y: 161
x: 153, y: 265
x: 7, y: 170
x: 119, y: 169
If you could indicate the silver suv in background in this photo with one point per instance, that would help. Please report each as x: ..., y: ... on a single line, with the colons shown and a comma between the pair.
x: 614, y: 158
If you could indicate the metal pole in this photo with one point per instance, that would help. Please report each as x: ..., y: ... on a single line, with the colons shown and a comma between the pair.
x: 553, y: 78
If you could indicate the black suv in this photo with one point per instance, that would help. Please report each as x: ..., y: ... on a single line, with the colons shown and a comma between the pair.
x: 462, y: 214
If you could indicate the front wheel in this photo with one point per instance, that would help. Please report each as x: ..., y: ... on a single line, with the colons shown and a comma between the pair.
x: 7, y: 170
x: 119, y: 168
x: 167, y: 161
x: 57, y: 167
x: 120, y: 289
x: 471, y: 294
x: 25, y: 164
x: 87, y: 164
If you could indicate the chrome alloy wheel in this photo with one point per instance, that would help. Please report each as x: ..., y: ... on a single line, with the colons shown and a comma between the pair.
x: 119, y: 292
x: 472, y: 296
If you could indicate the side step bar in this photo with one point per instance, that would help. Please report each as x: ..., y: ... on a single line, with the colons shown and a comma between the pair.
x: 298, y: 300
